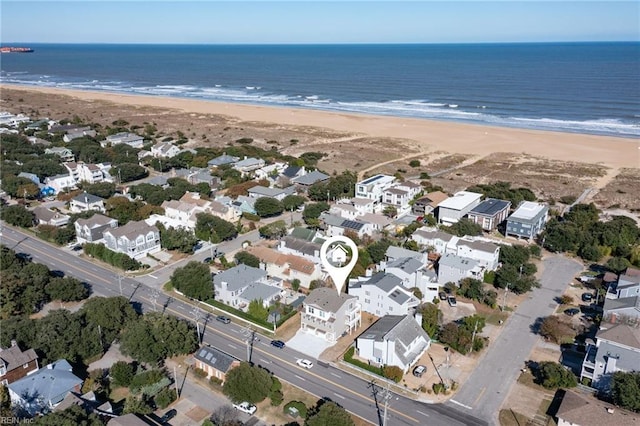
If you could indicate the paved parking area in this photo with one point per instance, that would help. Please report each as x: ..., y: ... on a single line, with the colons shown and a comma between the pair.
x: 308, y: 344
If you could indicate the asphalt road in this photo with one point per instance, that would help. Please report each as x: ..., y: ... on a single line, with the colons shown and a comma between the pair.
x: 489, y: 384
x: 353, y: 393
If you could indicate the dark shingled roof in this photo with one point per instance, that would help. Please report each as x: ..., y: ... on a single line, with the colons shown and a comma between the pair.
x: 490, y: 207
x: 215, y: 358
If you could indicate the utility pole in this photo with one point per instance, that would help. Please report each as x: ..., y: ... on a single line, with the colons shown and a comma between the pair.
x: 175, y: 380
x: 386, y: 395
x: 504, y: 299
x: 196, y: 318
x: 250, y: 336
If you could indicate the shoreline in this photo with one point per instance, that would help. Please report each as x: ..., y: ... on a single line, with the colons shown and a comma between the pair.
x: 426, y: 134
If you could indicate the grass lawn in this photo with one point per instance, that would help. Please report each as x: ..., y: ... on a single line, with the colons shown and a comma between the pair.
x: 119, y: 394
x: 511, y: 418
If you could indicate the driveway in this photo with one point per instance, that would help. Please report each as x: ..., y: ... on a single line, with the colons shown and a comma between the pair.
x: 487, y: 387
x: 308, y: 344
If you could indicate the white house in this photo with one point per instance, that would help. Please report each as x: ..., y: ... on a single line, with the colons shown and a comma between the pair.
x: 374, y: 187
x: 383, y: 294
x: 131, y: 139
x: 279, y: 194
x: 60, y: 183
x: 248, y: 165
x: 164, y: 150
x: 454, y: 208
x: 329, y: 315
x: 394, y: 340
x: 453, y: 268
x: 240, y: 285
x: 414, y: 274
x: 135, y: 239
x: 287, y: 266
x: 92, y: 230
x: 85, y: 202
x: 65, y: 154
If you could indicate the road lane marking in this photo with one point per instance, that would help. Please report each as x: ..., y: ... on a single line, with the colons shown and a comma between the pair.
x: 461, y: 404
x: 336, y: 375
x: 339, y: 396
x: 424, y: 414
x: 478, y: 398
x: 264, y: 361
x: 152, y: 276
x: 232, y: 346
x: 301, y: 378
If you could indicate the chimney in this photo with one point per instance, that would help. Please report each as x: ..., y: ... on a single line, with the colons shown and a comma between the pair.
x: 14, y: 343
x: 49, y: 366
x: 610, y: 410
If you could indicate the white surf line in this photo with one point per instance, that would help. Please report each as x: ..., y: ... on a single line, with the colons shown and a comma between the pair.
x: 339, y: 396
x: 301, y: 378
x: 461, y: 404
x: 424, y: 414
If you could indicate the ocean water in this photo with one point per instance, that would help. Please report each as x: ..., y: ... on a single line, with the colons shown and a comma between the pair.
x: 589, y: 88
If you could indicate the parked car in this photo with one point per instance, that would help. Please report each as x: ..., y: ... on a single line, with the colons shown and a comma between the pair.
x: 277, y: 343
x: 587, y: 297
x: 223, y: 319
x: 572, y: 311
x: 207, y: 260
x: 168, y: 415
x: 245, y: 407
x: 304, y: 363
x: 442, y: 295
x: 452, y: 301
x: 419, y: 370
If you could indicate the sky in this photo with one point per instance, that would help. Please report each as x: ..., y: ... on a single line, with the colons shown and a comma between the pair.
x: 303, y: 21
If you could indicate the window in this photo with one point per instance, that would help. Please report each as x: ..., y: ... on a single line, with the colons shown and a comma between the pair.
x: 367, y: 293
x: 390, y: 308
x: 3, y: 370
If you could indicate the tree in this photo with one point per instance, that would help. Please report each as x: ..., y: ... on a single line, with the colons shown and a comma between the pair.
x: 138, y: 405
x: 328, y: 413
x: 247, y: 383
x: 72, y: 416
x: 194, y: 280
x: 225, y: 415
x: 292, y: 202
x: 617, y: 264
x: 414, y: 163
x: 257, y: 310
x: 463, y: 227
x: 128, y: 172
x: 553, y: 375
x: 313, y: 210
x: 165, y: 397
x: 431, y: 318
x: 17, y: 215
x: 212, y: 228
x: 378, y: 250
x: 390, y: 211
x: 625, y: 390
x: 112, y: 314
x: 267, y: 207
x: 295, y: 284
x: 246, y: 258
x: 179, y: 239
x: 66, y: 289
x: 121, y: 373
x: 101, y: 189
x: 274, y: 230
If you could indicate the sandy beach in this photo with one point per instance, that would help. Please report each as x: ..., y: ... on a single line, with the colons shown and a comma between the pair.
x: 424, y: 135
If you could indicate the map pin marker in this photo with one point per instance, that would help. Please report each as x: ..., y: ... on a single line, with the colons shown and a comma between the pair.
x: 339, y: 254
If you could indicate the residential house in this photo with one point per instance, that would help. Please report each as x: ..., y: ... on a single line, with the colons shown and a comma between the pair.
x: 432, y: 239
x: 306, y: 180
x: 374, y: 187
x: 383, y: 294
x: 287, y: 266
x: 244, y: 204
x: 398, y: 199
x: 45, y: 216
x: 277, y: 193
x: 240, y: 285
x: 270, y: 171
x: 214, y: 362
x: 88, y: 402
x: 413, y: 273
x: 196, y: 175
x: 486, y: 254
x: 363, y: 205
x: 377, y: 222
x: 307, y: 249
x: 136, y: 239
x: 336, y: 226
x: 91, y: 173
x: 625, y: 285
x: 617, y: 348
x: 92, y: 230
x: 210, y: 206
x: 248, y: 164
x: 528, y: 220
x: 131, y: 139
x: 427, y: 204
x: 45, y: 388
x: 394, y: 340
x: 54, y: 128
x: 78, y: 133
x: 453, y: 268
x: 86, y: 202
x: 222, y: 160
x: 624, y: 309
x: 329, y: 315
x: 578, y: 408
x: 164, y: 150
x: 38, y: 141
x: 60, y: 183
x: 16, y: 363
x: 395, y: 252
x: 31, y: 176
x: 65, y: 154
x: 290, y: 172
x: 409, y: 186
x: 345, y: 211
x: 454, y: 208
x: 490, y: 213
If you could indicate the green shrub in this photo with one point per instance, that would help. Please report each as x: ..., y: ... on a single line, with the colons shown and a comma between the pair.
x: 165, y: 397
x: 144, y: 379
x: 393, y: 372
x: 348, y: 356
x: 302, y: 409
x: 438, y: 387
x: 199, y: 372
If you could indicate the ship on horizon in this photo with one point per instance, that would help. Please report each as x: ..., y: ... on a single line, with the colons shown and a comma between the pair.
x: 16, y: 50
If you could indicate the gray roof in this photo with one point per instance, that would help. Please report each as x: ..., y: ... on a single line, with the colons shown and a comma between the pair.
x: 238, y: 277
x: 130, y: 419
x: 14, y: 357
x: 623, y: 334
x: 132, y: 230
x: 255, y: 291
x: 528, y: 212
x: 384, y: 281
x: 31, y: 176
x: 157, y: 180
x: 215, y: 358
x: 432, y: 235
x: 403, y: 330
x: 303, y: 233
x: 327, y: 299
x: 621, y: 303
x: 311, y: 178
x: 45, y: 214
x: 223, y: 159
x: 490, y: 207
x: 85, y: 197
x: 265, y: 191
x: 479, y: 245
x: 249, y: 162
x: 303, y: 246
x: 291, y: 171
x: 406, y: 264
x: 50, y: 383
x: 95, y: 221
x: 458, y: 262
x: 395, y: 252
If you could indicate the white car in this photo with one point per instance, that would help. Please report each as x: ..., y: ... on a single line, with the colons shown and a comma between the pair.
x: 245, y: 407
x: 304, y: 363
